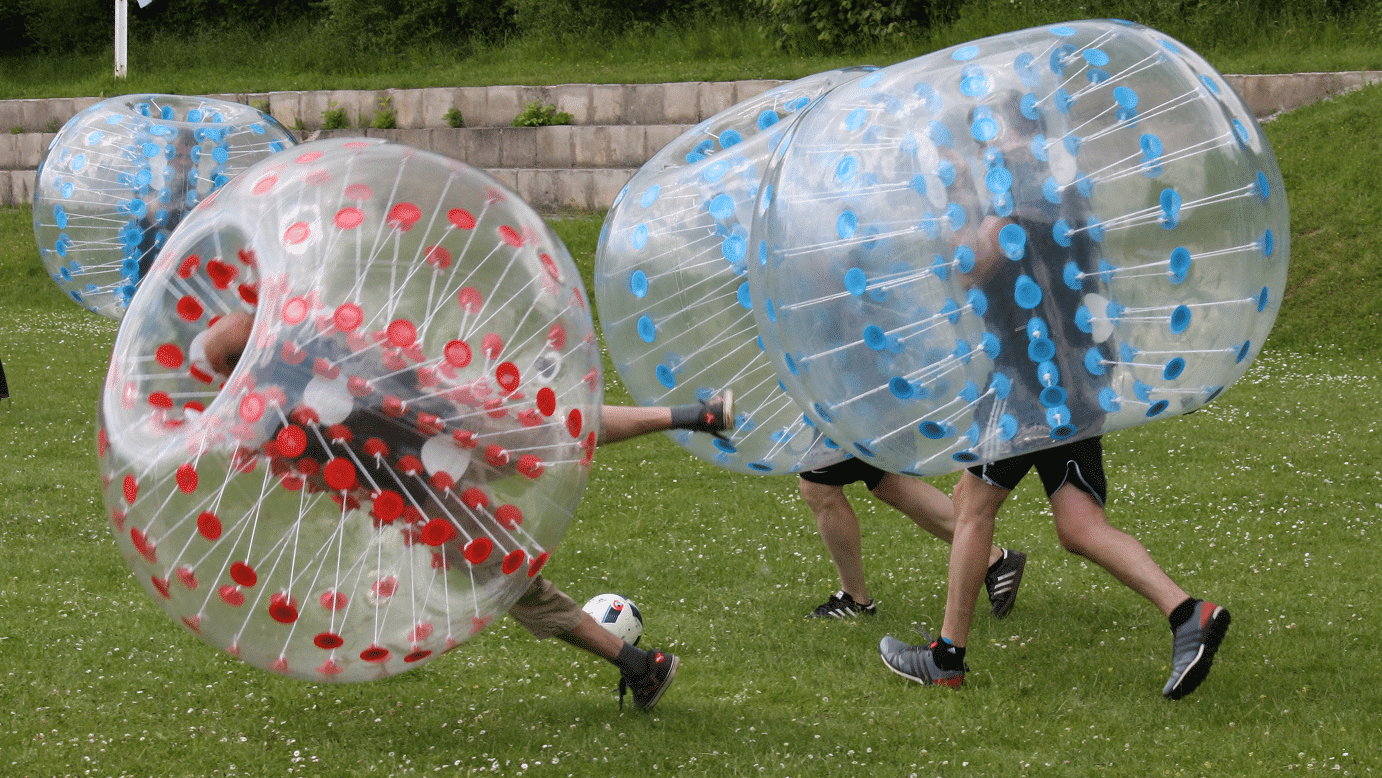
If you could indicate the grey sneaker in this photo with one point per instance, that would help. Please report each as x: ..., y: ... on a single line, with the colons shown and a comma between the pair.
x: 915, y: 663
x: 647, y: 690
x: 1193, y: 647
x: 1002, y: 583
x: 842, y: 606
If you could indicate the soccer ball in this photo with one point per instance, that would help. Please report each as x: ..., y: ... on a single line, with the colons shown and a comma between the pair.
x: 618, y: 615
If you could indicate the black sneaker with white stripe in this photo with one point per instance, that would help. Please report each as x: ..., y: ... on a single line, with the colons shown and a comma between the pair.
x: 1002, y: 580
x: 842, y: 606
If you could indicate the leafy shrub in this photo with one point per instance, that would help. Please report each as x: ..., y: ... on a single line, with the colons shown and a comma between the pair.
x: 334, y: 118
x: 454, y: 118
x: 540, y: 114
x: 839, y: 25
x: 398, y: 25
x: 386, y: 118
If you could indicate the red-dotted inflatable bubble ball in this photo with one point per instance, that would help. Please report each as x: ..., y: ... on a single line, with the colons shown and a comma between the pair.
x: 672, y: 286
x: 119, y: 177
x: 352, y: 411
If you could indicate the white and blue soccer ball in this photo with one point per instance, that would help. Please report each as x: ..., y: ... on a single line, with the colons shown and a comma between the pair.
x: 617, y: 614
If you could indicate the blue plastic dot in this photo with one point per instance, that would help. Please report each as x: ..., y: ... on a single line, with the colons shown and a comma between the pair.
x: 745, y: 300
x: 1180, y: 319
x: 733, y: 249
x: 1052, y: 396
x: 875, y: 338
x: 1096, y: 57
x: 1063, y: 101
x: 1173, y: 369
x: 991, y: 345
x: 1209, y: 83
x: 1063, y: 31
x: 975, y: 82
x: 730, y: 138
x: 1013, y: 239
x: 1072, y: 277
x: 1264, y: 187
x: 1038, y: 146
x: 856, y: 281
x: 665, y: 377
x: 1241, y: 133
x: 846, y: 225
x: 945, y: 171
x: 901, y: 388
x: 639, y: 238
x: 965, y: 53
x: 797, y: 104
x: 1026, y: 293
x: 767, y: 119
x: 844, y: 170
x: 1243, y: 351
x: 1062, y: 234
x: 1267, y: 243
x: 770, y: 310
x: 934, y: 430
x: 955, y: 215
x: 871, y: 80
x: 977, y: 301
x: 984, y: 129
x: 1125, y: 97
x: 650, y: 195
x: 1041, y: 350
x: 716, y: 171
x: 940, y: 135
x: 1037, y: 328
x: 1084, y: 320
x: 646, y: 329
x: 1094, y: 362
x: 950, y: 310
x: 1151, y: 146
x: 964, y: 258
x: 1157, y: 407
x: 638, y: 283
x: 1262, y: 299
x: 763, y: 253
x: 721, y: 206
x: 856, y: 119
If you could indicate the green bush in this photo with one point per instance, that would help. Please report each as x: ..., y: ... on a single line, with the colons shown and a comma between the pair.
x: 454, y: 118
x: 386, y: 118
x: 539, y: 114
x: 401, y: 25
x: 841, y: 25
x: 334, y: 118
x: 605, y: 18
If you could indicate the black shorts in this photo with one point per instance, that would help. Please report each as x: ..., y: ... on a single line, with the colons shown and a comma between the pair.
x: 1080, y: 464
x: 846, y: 472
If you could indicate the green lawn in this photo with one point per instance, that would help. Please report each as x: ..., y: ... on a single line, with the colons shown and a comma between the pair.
x: 1267, y: 501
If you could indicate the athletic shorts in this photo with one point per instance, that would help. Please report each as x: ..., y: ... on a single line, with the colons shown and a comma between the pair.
x: 545, y: 610
x: 1080, y: 464
x: 846, y: 472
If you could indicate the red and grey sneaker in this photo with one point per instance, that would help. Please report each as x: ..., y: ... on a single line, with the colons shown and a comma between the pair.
x: 1193, y: 646
x: 648, y: 688
x: 915, y: 663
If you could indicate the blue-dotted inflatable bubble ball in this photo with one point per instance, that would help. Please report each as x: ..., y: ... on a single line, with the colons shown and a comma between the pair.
x: 1025, y: 240
x: 119, y: 177
x: 351, y: 412
x: 672, y: 287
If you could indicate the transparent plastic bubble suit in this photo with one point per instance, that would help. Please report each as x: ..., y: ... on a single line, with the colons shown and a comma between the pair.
x: 120, y: 176
x: 672, y: 286
x: 1030, y: 239
x: 403, y: 441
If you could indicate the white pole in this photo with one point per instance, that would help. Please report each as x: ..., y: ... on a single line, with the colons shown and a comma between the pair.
x: 121, y: 35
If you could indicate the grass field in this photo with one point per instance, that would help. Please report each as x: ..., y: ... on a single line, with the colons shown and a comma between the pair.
x: 1269, y: 501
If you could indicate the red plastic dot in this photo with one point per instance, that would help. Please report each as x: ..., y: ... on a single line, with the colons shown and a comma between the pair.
x: 292, y: 441
x: 291, y: 354
x: 189, y: 266
x: 283, y: 609
x: 243, y: 574
x: 556, y: 336
x: 417, y: 656
x: 410, y: 465
x: 249, y: 293
x: 187, y: 478
x: 375, y: 654
x: 347, y: 317
x: 420, y: 633
x: 142, y: 545
x: 187, y: 577
x: 470, y: 299
x: 402, y: 333
x: 510, y: 236
x: 340, y: 474
x: 461, y: 218
x: 388, y: 506
x: 385, y: 587
x: 538, y: 562
x: 403, y: 216
x: 131, y: 489
x: 512, y: 561
x: 328, y: 640
x: 496, y: 455
x: 546, y: 401
x: 375, y: 447
x: 438, y: 257
x: 265, y: 184
x: 478, y: 550
x: 232, y: 595
x: 333, y: 600
x: 358, y: 386
x: 573, y: 422
x: 507, y: 375
x: 189, y: 308
x: 457, y: 353
x: 531, y: 465
x: 160, y: 400
x: 296, y: 233
x: 359, y: 192
x: 349, y: 218
x: 474, y: 498
x: 508, y: 516
x: 492, y: 345
x: 295, y: 310
x: 438, y: 531
x: 161, y: 584
x: 209, y: 525
x: 221, y: 274
x: 252, y: 407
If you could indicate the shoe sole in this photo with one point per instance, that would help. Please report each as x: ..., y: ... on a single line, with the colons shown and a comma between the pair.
x: 671, y: 673
x: 1198, y: 670
x: 1007, y: 607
